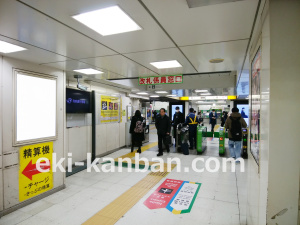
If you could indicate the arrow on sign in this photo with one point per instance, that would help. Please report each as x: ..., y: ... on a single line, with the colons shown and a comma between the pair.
x: 31, y: 169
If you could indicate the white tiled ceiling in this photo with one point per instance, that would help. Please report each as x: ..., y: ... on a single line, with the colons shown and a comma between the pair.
x: 171, y: 31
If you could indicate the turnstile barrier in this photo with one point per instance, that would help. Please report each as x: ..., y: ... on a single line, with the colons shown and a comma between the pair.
x: 201, y: 139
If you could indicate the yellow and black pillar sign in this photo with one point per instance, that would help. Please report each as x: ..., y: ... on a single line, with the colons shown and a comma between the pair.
x: 32, y: 182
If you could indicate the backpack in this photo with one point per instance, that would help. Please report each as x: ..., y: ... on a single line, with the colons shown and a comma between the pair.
x: 236, y: 129
x: 139, y: 127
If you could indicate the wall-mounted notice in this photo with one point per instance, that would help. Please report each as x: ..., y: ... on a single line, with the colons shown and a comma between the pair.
x: 31, y: 181
x: 166, y: 79
x: 110, y: 111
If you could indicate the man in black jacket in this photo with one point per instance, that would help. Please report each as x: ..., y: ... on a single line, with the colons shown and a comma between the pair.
x: 177, y: 119
x: 163, y: 126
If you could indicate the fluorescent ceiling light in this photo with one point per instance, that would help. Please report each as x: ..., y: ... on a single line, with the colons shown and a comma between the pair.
x: 201, y: 91
x: 154, y: 96
x: 88, y: 71
x: 108, y: 21
x: 166, y: 64
x: 161, y: 92
x: 206, y: 94
x: 142, y: 93
x: 8, y: 48
x: 171, y: 95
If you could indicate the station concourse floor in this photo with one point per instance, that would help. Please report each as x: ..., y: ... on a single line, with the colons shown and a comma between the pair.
x: 221, y: 199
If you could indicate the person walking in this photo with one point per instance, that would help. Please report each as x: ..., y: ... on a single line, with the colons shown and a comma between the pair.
x: 137, y: 131
x: 223, y: 118
x: 192, y: 121
x: 213, y: 119
x: 234, y: 124
x: 163, y: 126
x: 177, y: 119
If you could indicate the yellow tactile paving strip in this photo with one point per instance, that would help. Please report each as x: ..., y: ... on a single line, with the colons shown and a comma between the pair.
x: 111, y: 213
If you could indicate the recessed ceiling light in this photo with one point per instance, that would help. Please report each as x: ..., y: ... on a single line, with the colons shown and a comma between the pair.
x: 88, y: 71
x: 108, y: 21
x: 171, y: 95
x: 217, y: 60
x: 166, y: 64
x: 201, y: 91
x: 142, y: 93
x: 161, y: 92
x: 206, y: 94
x: 154, y: 96
x: 8, y: 48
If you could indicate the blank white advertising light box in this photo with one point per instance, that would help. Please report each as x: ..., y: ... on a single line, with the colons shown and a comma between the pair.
x: 35, y: 107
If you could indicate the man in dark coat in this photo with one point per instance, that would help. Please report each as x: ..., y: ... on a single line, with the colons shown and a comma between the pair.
x: 193, y: 122
x: 163, y: 126
x: 137, y: 136
x: 177, y: 119
x: 213, y: 119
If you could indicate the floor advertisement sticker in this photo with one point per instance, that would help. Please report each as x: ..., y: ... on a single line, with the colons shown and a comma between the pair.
x: 163, y: 194
x: 31, y: 181
x: 183, y: 200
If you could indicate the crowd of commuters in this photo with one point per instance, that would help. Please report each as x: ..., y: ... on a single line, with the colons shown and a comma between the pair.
x: 233, y: 123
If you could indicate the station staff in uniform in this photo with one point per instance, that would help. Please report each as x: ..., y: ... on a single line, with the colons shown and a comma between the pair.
x: 192, y: 121
x: 177, y: 119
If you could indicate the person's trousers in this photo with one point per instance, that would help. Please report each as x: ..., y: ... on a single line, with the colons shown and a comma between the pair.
x: 134, y: 142
x: 235, y: 149
x: 193, y: 138
x: 175, y: 133
x: 213, y: 127
x: 161, y: 139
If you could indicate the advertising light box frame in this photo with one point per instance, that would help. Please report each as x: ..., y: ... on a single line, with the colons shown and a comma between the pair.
x: 52, y: 135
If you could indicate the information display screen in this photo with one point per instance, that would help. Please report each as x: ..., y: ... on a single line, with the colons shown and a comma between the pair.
x: 78, y: 101
x: 244, y: 110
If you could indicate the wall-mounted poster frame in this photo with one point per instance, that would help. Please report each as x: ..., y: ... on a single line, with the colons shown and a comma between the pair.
x: 110, y: 108
x: 255, y: 103
x: 34, y: 107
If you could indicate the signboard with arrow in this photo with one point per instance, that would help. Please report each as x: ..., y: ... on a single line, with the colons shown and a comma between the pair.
x: 32, y: 182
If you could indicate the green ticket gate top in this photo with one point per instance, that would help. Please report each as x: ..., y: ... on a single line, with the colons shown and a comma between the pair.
x: 222, y: 135
x: 201, y: 139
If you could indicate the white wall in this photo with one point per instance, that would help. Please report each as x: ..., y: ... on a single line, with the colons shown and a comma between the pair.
x: 274, y: 186
x: 10, y: 154
x: 109, y: 136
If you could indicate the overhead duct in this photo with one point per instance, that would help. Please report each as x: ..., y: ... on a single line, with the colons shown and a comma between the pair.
x: 200, y: 3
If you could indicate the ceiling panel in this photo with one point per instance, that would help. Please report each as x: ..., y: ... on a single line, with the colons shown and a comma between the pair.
x: 215, y: 23
x: 32, y: 54
x: 145, y: 58
x: 149, y: 38
x: 120, y: 65
x: 232, y: 52
x: 29, y: 26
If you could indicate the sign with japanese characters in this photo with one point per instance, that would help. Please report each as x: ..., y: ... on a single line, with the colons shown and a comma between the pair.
x: 163, y: 194
x: 110, y: 109
x: 183, y: 200
x: 165, y: 79
x: 32, y: 182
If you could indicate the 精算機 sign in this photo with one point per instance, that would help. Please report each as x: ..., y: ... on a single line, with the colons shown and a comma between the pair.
x: 32, y: 182
x: 165, y: 79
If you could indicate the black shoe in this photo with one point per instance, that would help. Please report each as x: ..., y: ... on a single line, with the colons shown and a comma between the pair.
x: 139, y: 151
x: 159, y: 154
x: 168, y: 150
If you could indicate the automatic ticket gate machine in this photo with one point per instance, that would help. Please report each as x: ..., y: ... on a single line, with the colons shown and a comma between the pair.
x: 245, y: 143
x: 201, y: 139
x: 182, y: 136
x: 222, y: 135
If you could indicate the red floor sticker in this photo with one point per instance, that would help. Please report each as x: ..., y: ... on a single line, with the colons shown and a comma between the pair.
x: 163, y: 194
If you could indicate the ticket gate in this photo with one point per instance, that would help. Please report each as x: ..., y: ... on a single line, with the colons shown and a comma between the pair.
x: 245, y: 143
x: 182, y: 136
x: 201, y: 139
x: 222, y: 135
